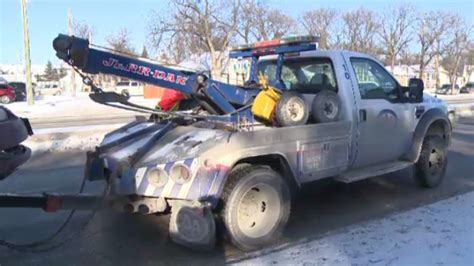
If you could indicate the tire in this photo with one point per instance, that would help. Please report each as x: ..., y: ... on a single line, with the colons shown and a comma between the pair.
x: 326, y: 107
x: 125, y: 93
x: 291, y: 110
x: 255, y: 207
x: 430, y: 168
x: 5, y: 99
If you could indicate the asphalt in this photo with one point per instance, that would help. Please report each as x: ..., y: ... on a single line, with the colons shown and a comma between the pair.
x: 121, y: 116
x: 321, y: 208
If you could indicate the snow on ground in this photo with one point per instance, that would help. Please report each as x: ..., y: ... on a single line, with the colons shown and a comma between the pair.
x: 68, y: 106
x: 449, y: 97
x: 438, y: 234
x: 74, y: 142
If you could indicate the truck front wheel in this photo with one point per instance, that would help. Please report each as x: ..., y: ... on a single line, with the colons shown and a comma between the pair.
x: 256, y: 206
x: 432, y: 163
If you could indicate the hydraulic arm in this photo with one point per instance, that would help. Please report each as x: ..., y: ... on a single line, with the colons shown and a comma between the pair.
x: 228, y: 103
x: 217, y: 97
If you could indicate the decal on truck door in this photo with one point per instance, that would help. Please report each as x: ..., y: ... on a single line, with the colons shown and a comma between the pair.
x: 387, y: 119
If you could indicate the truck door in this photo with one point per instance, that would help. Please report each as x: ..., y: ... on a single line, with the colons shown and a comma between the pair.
x: 385, y: 123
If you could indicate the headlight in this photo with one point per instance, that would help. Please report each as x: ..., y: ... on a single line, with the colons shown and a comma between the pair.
x: 157, y: 177
x: 180, y: 173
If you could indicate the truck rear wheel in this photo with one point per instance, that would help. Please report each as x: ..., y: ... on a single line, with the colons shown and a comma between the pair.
x: 256, y: 206
x: 291, y: 110
x: 430, y: 168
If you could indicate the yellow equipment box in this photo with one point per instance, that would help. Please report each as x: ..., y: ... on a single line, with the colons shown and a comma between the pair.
x: 266, y: 100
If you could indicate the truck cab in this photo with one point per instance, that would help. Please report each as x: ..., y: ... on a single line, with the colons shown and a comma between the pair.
x: 379, y: 109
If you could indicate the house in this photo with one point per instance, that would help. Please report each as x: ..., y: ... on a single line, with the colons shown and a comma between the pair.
x: 467, y: 74
x: 403, y: 73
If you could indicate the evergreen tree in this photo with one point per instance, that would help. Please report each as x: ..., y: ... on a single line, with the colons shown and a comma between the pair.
x: 49, y: 71
x: 144, y: 52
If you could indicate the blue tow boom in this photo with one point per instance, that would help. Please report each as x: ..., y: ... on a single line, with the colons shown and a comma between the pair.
x: 231, y: 103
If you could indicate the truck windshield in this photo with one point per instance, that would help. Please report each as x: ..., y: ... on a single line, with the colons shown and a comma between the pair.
x: 307, y: 75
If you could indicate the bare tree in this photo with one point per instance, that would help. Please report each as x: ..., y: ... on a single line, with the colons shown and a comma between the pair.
x: 197, y: 26
x: 395, y: 31
x: 260, y: 22
x: 250, y: 11
x: 454, y: 48
x: 275, y: 24
x: 120, y: 41
x: 320, y: 22
x: 82, y: 29
x: 360, y: 30
x: 431, y: 29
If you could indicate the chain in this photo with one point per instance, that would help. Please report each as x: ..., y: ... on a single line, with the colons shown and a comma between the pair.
x: 42, y: 245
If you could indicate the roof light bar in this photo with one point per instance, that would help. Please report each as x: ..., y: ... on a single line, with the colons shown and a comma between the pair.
x: 277, y: 42
x: 275, y: 46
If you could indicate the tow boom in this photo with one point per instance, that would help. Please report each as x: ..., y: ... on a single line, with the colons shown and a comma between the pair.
x: 231, y: 102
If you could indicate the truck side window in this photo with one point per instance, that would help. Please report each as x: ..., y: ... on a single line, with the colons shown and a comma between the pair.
x: 373, y: 80
x: 305, y: 75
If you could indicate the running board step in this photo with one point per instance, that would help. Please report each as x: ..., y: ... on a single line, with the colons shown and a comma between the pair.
x: 373, y: 170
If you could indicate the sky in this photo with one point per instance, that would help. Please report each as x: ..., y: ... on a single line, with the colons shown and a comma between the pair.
x: 47, y: 18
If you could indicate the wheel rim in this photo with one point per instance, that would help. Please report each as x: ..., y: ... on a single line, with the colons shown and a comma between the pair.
x: 259, y: 210
x: 435, y: 162
x: 330, y: 109
x: 5, y: 99
x: 295, y: 109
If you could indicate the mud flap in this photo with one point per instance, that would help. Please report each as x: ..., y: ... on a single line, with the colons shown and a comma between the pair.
x: 192, y: 226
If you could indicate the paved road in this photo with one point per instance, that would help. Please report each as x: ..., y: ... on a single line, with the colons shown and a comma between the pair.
x: 117, y: 239
x: 121, y: 116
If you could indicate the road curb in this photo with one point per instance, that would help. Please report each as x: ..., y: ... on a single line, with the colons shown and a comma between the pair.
x: 464, y: 109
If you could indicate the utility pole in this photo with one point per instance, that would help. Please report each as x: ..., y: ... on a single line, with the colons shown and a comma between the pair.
x: 26, y: 40
x: 73, y: 74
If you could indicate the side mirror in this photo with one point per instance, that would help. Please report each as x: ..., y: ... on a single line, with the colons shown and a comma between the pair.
x: 415, y: 90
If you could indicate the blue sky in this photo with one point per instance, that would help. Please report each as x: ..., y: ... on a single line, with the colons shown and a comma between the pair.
x: 47, y: 18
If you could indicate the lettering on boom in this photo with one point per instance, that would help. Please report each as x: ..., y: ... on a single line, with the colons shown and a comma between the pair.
x: 145, y: 71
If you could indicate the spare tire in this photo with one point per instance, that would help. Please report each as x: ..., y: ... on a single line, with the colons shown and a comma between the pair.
x: 326, y: 107
x: 291, y: 110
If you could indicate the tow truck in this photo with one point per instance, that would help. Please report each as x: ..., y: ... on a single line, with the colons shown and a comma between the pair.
x: 303, y: 115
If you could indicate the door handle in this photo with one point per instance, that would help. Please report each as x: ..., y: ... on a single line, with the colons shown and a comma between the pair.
x: 362, y: 115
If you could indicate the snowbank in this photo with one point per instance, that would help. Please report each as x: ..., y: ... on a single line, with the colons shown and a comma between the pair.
x: 67, y: 106
x: 438, y: 234
x: 81, y: 138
